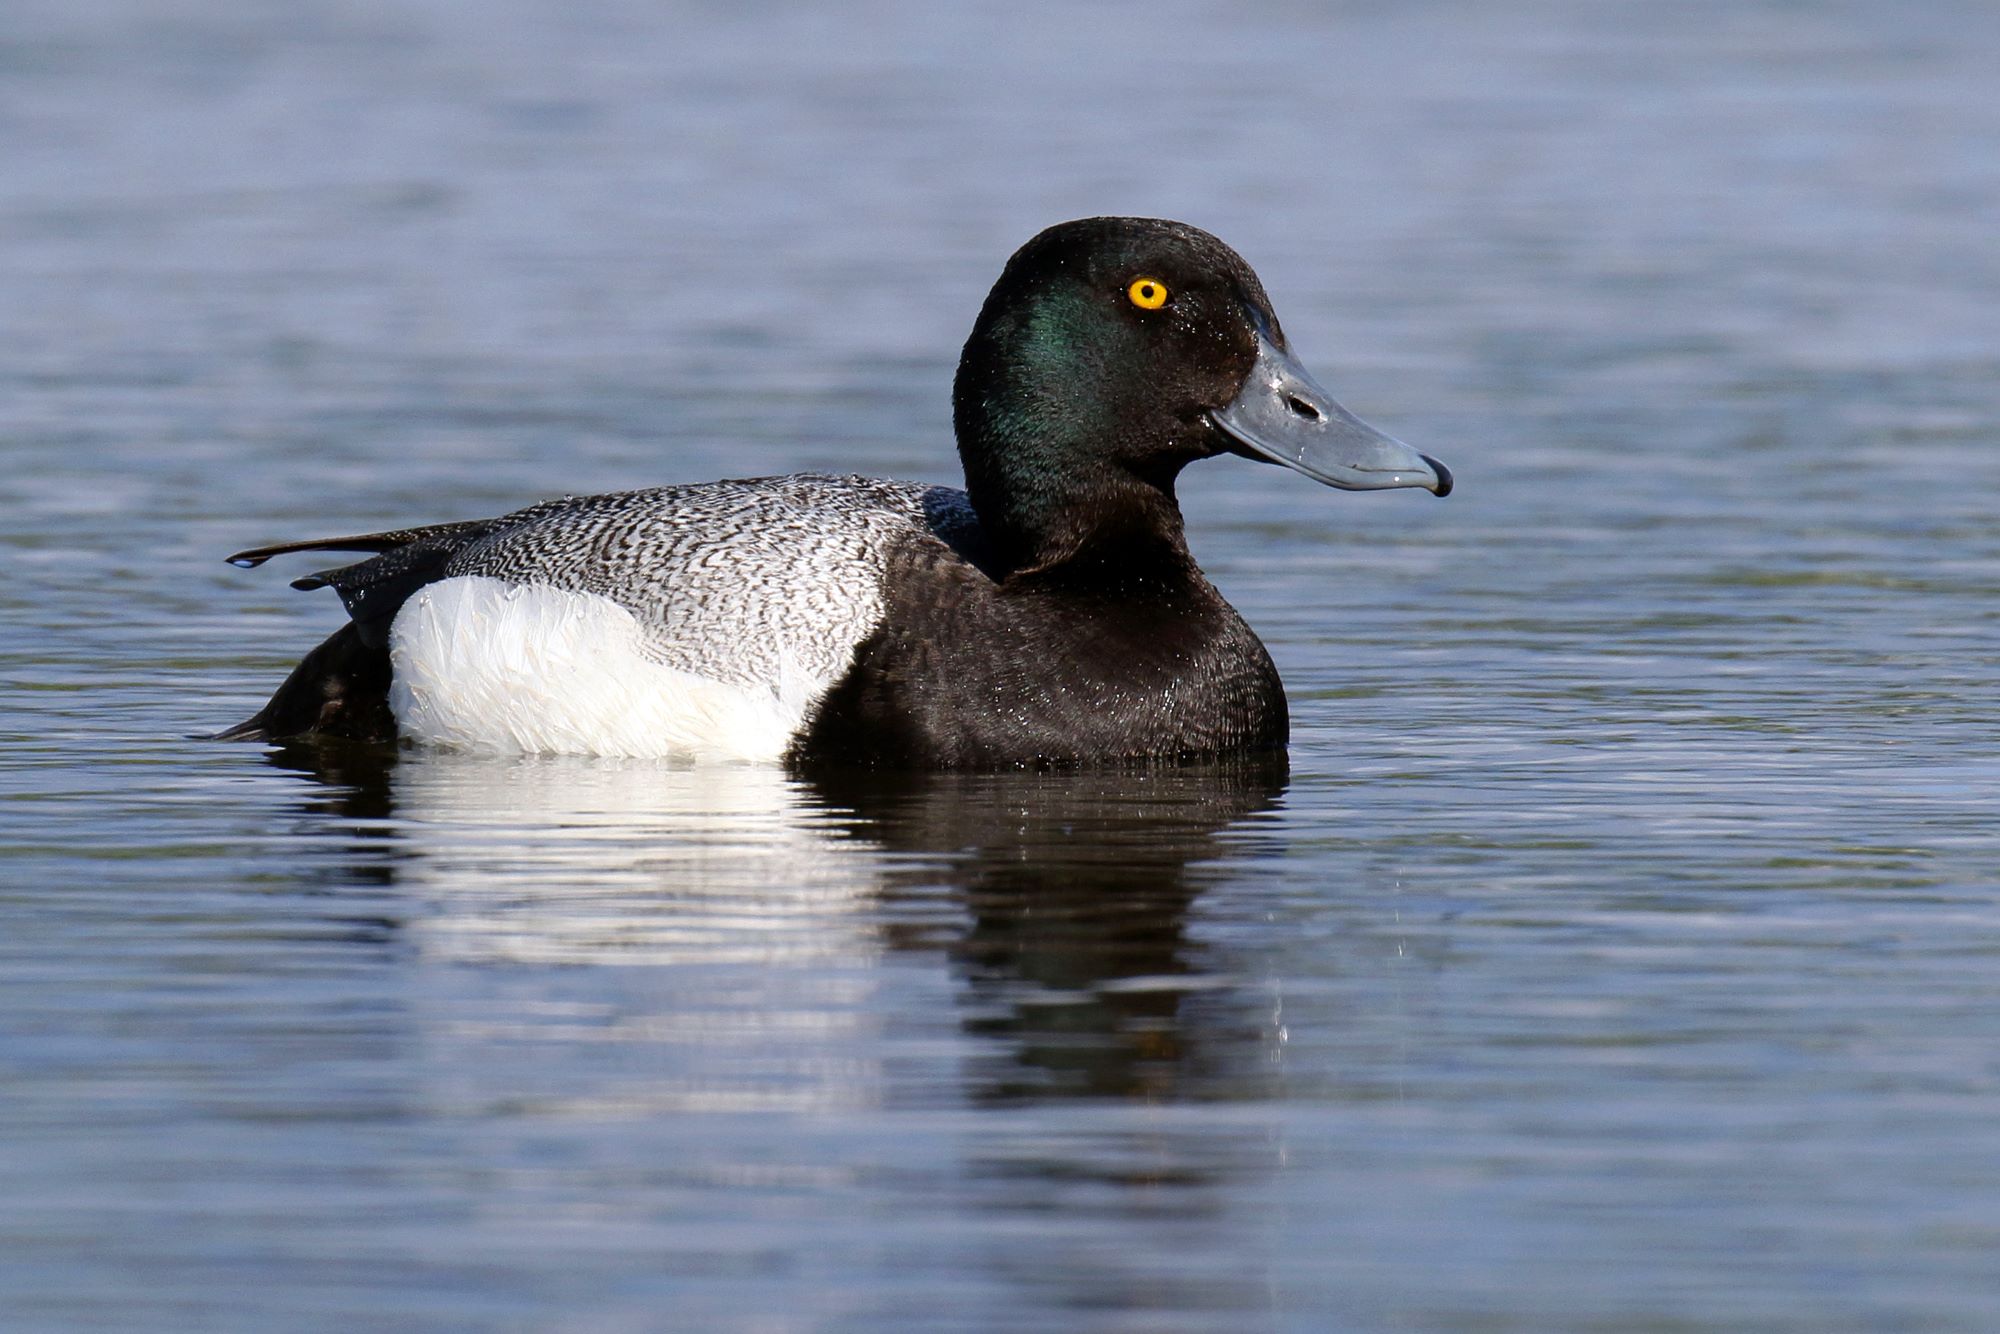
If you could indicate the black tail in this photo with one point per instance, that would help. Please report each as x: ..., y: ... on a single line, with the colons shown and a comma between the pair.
x: 341, y: 690
x: 439, y: 534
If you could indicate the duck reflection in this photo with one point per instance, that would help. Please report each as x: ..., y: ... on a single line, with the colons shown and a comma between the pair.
x: 1061, y: 899
x: 1075, y: 889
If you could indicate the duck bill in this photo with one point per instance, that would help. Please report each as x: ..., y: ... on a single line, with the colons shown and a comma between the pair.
x: 1281, y: 414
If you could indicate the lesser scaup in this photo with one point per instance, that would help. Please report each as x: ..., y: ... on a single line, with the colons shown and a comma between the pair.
x: 1050, y: 613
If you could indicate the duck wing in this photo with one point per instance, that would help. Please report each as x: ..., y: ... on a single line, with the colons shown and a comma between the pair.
x: 753, y: 582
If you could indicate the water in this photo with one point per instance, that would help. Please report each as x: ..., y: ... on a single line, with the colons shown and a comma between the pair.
x: 1619, y: 951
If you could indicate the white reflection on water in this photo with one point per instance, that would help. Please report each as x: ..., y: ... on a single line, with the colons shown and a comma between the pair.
x: 565, y: 860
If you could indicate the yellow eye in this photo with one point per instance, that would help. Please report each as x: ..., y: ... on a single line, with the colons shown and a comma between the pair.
x: 1147, y: 293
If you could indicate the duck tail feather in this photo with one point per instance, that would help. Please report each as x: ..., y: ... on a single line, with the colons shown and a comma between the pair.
x: 377, y: 543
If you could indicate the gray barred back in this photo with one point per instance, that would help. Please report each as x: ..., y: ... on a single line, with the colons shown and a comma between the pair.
x: 747, y: 581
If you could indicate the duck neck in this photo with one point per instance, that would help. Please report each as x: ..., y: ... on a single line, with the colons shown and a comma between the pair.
x: 1061, y: 479
x: 1091, y: 518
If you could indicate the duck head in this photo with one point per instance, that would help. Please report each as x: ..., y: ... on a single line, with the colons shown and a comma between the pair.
x: 1113, y: 352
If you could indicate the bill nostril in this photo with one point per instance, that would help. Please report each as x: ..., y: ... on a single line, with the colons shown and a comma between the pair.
x: 1301, y: 407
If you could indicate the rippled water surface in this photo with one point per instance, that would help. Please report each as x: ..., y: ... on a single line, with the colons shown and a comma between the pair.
x: 1619, y: 952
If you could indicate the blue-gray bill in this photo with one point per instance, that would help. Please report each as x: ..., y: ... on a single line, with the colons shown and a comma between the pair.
x: 1282, y: 414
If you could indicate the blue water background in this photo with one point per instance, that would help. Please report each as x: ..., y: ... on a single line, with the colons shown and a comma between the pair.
x: 1621, y: 951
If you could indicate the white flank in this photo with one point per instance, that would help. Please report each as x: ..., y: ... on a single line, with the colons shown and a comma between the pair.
x: 487, y: 665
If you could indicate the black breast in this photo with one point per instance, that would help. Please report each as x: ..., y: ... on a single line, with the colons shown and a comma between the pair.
x: 1087, y: 665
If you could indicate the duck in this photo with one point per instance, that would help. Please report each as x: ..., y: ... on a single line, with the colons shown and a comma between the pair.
x: 1047, y: 614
